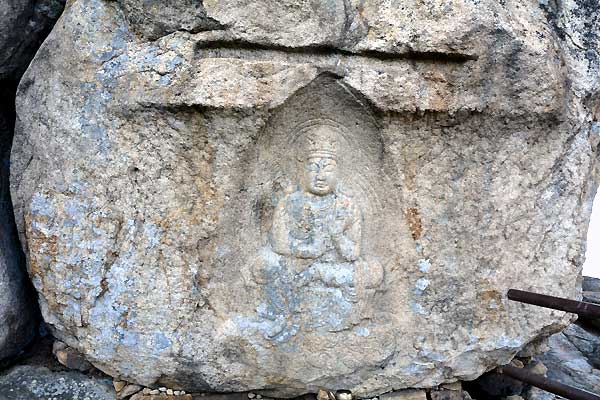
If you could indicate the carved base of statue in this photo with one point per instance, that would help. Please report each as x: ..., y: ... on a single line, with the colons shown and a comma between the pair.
x: 307, y: 295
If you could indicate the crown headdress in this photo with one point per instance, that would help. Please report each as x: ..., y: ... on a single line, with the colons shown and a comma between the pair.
x: 322, y: 142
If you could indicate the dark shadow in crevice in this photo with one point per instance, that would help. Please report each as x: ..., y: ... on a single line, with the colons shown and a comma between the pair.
x: 10, y: 247
x: 327, y: 50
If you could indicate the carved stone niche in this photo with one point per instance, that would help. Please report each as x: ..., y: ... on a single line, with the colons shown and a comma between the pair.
x: 327, y: 240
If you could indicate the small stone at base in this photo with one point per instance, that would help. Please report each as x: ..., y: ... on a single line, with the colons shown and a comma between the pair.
x: 119, y: 385
x: 323, y: 395
x: 343, y: 396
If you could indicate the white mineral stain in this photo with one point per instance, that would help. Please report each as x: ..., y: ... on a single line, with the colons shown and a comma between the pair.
x: 424, y: 265
x: 362, y: 331
x: 417, y: 308
x: 422, y: 284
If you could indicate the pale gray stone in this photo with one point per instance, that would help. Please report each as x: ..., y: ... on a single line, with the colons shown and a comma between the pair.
x: 324, y: 194
x: 405, y: 395
x: 446, y: 394
x: 591, y: 297
x: 130, y: 390
x: 34, y: 382
x: 571, y: 358
x: 587, y: 341
x: 539, y: 394
x: 153, y: 19
x: 343, y: 396
x: 591, y: 284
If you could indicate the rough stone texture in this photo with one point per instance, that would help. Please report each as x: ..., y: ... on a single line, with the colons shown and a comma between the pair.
x: 69, y: 357
x: 27, y: 382
x: 591, y: 294
x: 573, y: 358
x: 405, y: 395
x: 161, y: 396
x: 23, y: 26
x: 587, y: 341
x: 127, y: 391
x: 177, y: 199
x: 590, y: 284
x: 446, y: 395
x: 539, y: 394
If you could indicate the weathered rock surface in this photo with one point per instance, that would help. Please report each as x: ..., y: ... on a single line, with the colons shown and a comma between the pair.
x: 591, y: 289
x: 590, y: 284
x: 69, y: 357
x: 591, y: 294
x: 405, y: 395
x: 573, y: 358
x: 23, y: 26
x: 27, y: 382
x: 286, y: 196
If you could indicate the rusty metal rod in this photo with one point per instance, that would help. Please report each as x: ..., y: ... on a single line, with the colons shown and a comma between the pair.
x: 539, y: 381
x: 581, y: 308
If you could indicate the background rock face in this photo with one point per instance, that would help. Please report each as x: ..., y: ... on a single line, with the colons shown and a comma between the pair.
x: 33, y: 382
x: 284, y: 196
x: 17, y: 303
x: 23, y: 26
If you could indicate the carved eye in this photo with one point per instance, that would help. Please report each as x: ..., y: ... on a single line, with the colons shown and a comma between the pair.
x: 312, y: 167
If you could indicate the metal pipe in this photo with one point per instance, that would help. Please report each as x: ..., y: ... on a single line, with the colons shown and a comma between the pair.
x: 583, y: 309
x: 539, y: 381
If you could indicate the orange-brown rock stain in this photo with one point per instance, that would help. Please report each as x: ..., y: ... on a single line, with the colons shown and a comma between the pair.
x: 413, y: 219
x: 490, y: 308
x: 43, y: 250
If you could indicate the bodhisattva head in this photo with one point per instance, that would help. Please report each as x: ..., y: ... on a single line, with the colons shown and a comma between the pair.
x: 320, y: 173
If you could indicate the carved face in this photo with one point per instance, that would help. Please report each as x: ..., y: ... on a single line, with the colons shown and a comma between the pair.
x: 321, y: 175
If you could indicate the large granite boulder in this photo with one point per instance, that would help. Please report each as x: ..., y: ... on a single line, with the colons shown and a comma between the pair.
x: 286, y: 196
x: 23, y: 26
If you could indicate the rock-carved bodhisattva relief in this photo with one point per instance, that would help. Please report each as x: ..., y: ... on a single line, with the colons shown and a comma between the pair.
x: 325, y: 206
x: 313, y: 267
x: 319, y: 247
